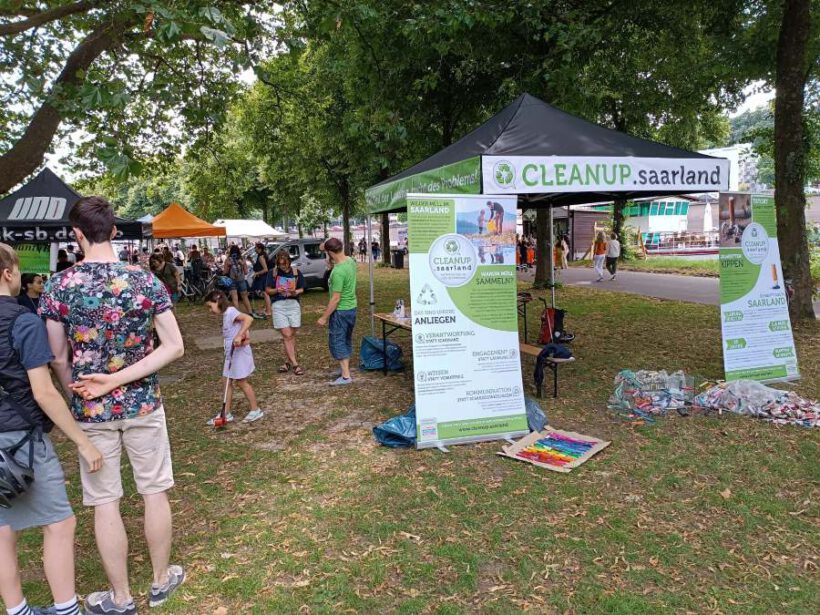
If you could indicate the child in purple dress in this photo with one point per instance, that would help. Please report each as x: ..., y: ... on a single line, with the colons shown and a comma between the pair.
x: 238, y: 355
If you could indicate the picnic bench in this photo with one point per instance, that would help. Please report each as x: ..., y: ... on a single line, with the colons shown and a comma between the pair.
x: 551, y: 363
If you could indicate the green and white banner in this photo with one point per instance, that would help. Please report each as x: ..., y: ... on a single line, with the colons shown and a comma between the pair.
x: 546, y: 174
x: 462, y: 177
x: 465, y: 322
x: 34, y: 257
x: 755, y: 324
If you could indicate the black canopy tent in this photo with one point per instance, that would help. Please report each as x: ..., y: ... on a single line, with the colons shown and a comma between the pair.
x: 38, y: 213
x: 540, y: 144
x: 550, y: 158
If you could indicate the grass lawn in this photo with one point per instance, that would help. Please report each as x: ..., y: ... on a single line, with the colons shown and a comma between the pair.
x: 303, y: 513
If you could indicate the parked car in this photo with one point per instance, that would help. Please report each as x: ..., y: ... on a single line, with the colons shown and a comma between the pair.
x: 305, y: 255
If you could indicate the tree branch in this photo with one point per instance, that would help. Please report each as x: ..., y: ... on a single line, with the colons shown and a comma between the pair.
x: 27, y: 153
x: 43, y: 17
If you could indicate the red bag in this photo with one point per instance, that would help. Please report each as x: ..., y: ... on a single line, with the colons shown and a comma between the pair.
x: 547, y: 326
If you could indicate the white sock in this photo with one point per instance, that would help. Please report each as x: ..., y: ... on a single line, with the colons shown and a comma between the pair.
x: 20, y: 609
x: 72, y: 607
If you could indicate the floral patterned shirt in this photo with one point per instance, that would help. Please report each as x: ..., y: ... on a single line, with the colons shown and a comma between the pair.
x: 107, y: 310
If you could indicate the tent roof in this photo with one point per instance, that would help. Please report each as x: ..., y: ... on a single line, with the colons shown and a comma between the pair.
x: 45, y: 203
x: 176, y: 221
x: 530, y: 127
x: 248, y: 228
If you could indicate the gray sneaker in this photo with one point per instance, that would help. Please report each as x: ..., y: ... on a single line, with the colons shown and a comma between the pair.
x: 102, y: 603
x: 158, y: 595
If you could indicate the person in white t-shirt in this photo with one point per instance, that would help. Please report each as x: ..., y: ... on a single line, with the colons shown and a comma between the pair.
x: 613, y: 251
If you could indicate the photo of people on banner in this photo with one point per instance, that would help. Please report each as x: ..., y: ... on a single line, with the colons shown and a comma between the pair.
x: 491, y: 230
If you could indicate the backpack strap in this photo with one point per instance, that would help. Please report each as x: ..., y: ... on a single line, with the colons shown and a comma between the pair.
x: 35, y: 429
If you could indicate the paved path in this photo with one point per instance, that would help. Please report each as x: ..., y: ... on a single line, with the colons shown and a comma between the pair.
x: 257, y: 336
x: 661, y: 285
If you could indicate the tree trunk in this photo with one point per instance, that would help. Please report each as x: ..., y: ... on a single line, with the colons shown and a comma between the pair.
x: 542, y: 248
x: 385, y: 236
x: 790, y: 155
x: 618, y: 222
x: 346, y: 228
x: 27, y: 153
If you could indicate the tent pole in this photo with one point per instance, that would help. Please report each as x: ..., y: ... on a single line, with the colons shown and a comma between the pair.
x: 552, y: 259
x: 369, y: 253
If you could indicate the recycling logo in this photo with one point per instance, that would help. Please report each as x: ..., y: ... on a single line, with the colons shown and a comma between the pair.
x: 427, y: 296
x: 504, y: 174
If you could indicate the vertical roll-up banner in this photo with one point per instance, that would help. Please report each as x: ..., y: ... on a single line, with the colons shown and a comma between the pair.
x: 754, y: 312
x: 467, y: 366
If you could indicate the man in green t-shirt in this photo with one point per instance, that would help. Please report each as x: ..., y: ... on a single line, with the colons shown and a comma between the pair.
x: 340, y: 314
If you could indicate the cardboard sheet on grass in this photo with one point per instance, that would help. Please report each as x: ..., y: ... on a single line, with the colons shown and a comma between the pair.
x: 555, y: 449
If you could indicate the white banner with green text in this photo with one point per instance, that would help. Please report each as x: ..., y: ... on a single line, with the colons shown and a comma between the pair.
x: 553, y: 174
x: 466, y: 359
x: 756, y: 329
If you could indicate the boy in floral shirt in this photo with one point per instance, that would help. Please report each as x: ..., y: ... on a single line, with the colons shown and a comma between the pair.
x: 101, y: 313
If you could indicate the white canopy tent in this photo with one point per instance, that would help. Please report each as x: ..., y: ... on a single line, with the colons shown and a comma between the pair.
x: 250, y: 228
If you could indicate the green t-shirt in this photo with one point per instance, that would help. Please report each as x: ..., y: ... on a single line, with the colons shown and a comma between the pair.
x: 343, y: 281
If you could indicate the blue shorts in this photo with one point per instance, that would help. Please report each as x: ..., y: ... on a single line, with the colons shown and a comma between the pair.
x: 45, y: 502
x: 240, y: 286
x: 340, y: 333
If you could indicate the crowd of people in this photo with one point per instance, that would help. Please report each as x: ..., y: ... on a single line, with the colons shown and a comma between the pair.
x: 525, y: 256
x: 92, y: 325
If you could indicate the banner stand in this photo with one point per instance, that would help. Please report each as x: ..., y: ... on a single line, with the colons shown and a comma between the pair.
x: 754, y: 311
x: 463, y: 285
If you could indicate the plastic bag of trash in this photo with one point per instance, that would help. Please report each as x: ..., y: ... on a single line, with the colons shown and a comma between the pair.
x: 536, y: 419
x: 371, y: 354
x: 398, y: 432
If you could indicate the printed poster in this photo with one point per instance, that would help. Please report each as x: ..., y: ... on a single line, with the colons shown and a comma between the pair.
x: 755, y: 324
x: 465, y: 322
x: 34, y: 257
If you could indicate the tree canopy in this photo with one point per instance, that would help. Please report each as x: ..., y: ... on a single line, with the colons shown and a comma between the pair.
x: 121, y: 80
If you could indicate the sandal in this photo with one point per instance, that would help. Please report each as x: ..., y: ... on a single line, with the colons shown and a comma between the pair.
x: 284, y: 369
x: 297, y: 370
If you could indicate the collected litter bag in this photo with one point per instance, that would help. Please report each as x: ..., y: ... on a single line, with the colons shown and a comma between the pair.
x: 536, y: 419
x: 371, y: 355
x: 398, y: 432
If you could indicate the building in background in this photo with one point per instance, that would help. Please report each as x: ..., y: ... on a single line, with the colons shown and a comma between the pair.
x: 743, y: 167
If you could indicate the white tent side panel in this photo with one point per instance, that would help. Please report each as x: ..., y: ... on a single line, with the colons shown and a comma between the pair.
x: 248, y: 228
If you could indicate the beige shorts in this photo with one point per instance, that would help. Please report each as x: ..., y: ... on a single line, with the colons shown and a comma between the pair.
x: 145, y: 439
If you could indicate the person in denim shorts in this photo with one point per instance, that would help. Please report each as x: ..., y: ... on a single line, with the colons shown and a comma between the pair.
x: 236, y: 269
x: 340, y: 314
x: 107, y: 310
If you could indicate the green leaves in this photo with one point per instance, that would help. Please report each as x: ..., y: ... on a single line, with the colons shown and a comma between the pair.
x: 119, y: 164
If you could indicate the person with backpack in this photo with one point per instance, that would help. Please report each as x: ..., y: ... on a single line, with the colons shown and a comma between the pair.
x: 32, y: 484
x: 167, y: 274
x: 236, y: 269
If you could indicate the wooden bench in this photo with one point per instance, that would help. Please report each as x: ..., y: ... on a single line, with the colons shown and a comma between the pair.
x: 550, y: 363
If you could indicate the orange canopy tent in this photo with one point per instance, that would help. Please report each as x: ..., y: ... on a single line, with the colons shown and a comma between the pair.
x: 176, y: 221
